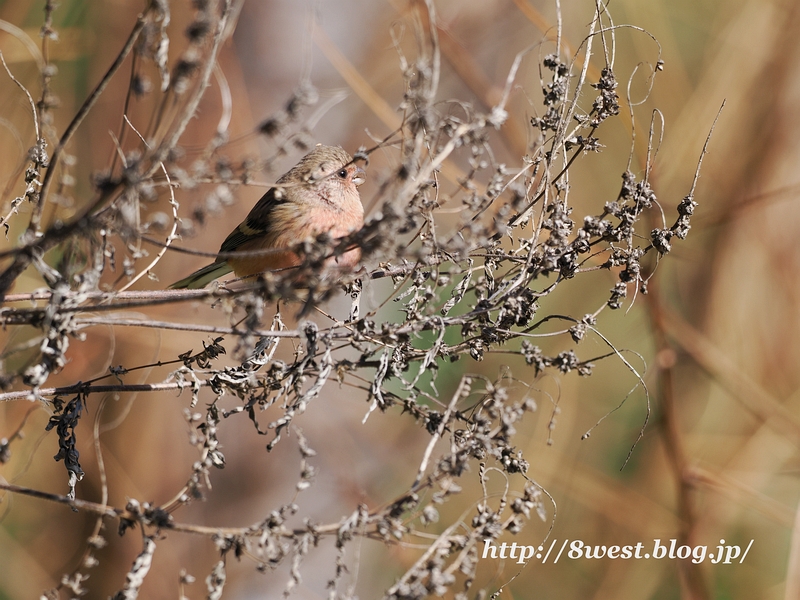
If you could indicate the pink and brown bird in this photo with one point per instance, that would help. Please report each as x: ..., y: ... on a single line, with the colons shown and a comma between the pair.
x: 318, y: 195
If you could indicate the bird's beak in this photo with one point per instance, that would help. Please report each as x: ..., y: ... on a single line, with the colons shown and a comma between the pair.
x: 360, y: 176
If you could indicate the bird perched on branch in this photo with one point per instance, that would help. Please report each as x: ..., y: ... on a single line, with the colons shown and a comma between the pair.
x: 318, y: 195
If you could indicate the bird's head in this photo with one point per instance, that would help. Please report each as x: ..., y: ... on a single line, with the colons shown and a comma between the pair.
x: 328, y: 170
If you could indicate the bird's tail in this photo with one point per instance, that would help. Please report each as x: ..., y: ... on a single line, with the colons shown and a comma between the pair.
x: 202, y: 277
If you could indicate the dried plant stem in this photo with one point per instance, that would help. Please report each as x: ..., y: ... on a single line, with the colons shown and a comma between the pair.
x: 80, y: 388
x: 463, y: 387
x: 90, y: 101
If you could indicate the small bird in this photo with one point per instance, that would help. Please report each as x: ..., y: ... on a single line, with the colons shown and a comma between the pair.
x: 318, y: 195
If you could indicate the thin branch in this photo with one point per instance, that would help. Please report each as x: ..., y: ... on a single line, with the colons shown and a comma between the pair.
x: 81, y: 388
x: 27, y: 94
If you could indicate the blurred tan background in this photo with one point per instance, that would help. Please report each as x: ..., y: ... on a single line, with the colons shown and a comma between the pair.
x: 719, y: 458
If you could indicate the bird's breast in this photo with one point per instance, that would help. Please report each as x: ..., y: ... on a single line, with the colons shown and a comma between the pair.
x: 292, y: 223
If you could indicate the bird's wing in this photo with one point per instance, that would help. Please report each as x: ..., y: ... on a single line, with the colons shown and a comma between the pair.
x: 256, y: 223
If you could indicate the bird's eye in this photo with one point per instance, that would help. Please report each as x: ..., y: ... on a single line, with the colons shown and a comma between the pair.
x: 342, y: 173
